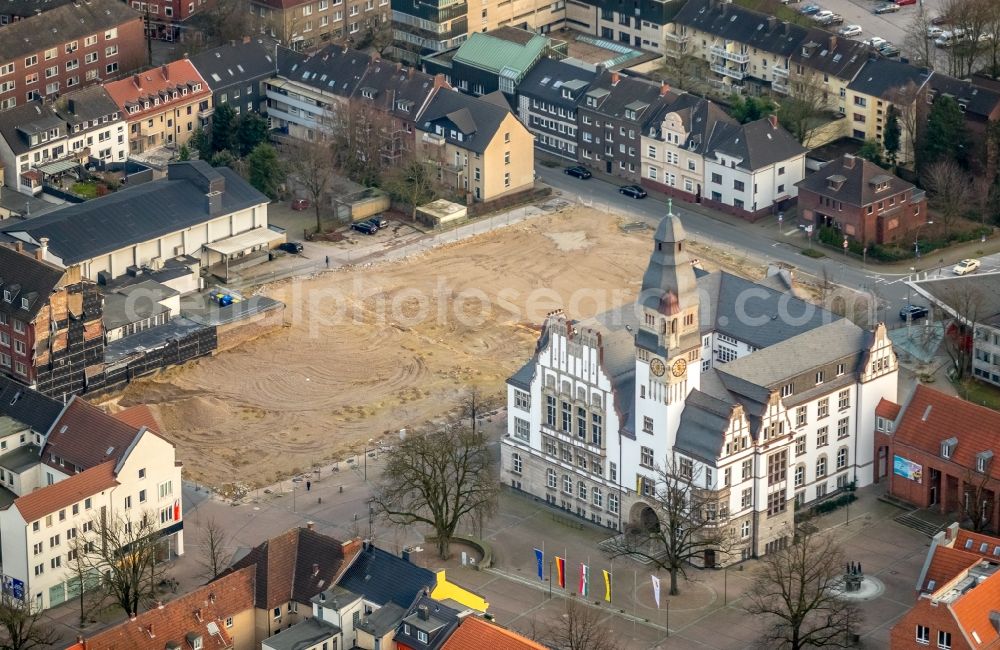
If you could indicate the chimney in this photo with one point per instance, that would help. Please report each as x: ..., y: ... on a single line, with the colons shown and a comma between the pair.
x: 19, y: 246
x: 43, y: 248
x: 131, y: 616
x: 315, y: 570
x: 137, y: 81
x: 833, y: 42
x: 848, y: 161
x: 165, y: 71
x: 159, y: 604
x: 772, y: 22
x: 440, y: 81
x: 773, y: 119
x: 213, y: 203
x: 406, y: 553
x: 664, y: 88
x: 995, y: 620
x: 615, y: 78
x: 150, y: 632
x: 311, y: 525
x: 423, y: 613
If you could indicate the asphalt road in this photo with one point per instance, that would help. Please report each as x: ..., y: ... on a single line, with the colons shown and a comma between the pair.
x: 890, y: 289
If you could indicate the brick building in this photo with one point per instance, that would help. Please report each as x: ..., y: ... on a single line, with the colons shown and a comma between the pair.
x: 863, y: 201
x: 163, y: 106
x: 958, y: 596
x: 50, y: 323
x: 67, y: 47
x: 937, y: 451
x: 165, y: 16
x: 306, y: 24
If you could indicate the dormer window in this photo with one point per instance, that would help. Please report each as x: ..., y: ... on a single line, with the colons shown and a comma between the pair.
x: 983, y: 459
x: 948, y: 448
x: 567, y: 94
x: 6, y: 295
x: 629, y: 114
x: 591, y: 102
x: 883, y: 424
x: 24, y: 303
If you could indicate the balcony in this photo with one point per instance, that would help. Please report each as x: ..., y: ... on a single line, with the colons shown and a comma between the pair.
x: 677, y: 38
x: 779, y: 86
x: 779, y: 71
x: 735, y: 57
x: 732, y: 73
x: 432, y: 139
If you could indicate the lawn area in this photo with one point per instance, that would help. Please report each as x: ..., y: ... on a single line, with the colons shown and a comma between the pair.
x: 86, y: 189
x: 979, y: 393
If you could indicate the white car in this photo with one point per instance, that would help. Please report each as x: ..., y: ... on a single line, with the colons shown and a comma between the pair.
x: 850, y: 30
x: 966, y: 266
x: 876, y: 42
x: 822, y: 15
x: 934, y: 31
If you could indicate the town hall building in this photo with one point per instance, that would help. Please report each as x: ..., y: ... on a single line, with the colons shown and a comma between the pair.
x: 760, y: 399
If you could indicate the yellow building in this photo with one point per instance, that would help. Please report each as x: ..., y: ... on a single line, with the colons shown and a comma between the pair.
x: 477, y: 144
x: 304, y: 24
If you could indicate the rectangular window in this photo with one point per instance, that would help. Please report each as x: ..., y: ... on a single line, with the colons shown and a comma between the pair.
x: 686, y: 468
x: 647, y: 457
x: 522, y: 429
x: 844, y: 399
x: 843, y: 428
x: 596, y: 429
x: 166, y: 489
x: 801, y: 416
x: 550, y: 411
x: 777, y: 467
x: 923, y: 635
x: 823, y: 407
x: 775, y: 503
x: 800, y: 445
x: 746, y: 498
x: 944, y: 640
x: 567, y: 417
x: 747, y: 470
x: 581, y: 423
x: 522, y: 400
x: 647, y: 424
x: 821, y: 436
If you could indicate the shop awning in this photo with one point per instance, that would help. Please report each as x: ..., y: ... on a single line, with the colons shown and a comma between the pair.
x: 244, y: 242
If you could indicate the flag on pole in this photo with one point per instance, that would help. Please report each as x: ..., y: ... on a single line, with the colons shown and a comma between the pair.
x: 540, y: 561
x: 656, y: 590
x: 561, y: 571
x: 607, y: 585
x: 584, y: 580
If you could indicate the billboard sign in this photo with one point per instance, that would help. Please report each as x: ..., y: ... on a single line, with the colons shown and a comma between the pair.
x: 14, y: 587
x: 907, y: 469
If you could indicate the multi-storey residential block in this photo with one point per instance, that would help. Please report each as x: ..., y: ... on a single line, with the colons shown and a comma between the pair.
x: 162, y: 106
x: 89, y: 465
x: 751, y: 169
x: 547, y: 103
x: 307, y: 24
x: 862, y: 200
x: 879, y: 84
x: 70, y: 46
x: 640, y: 24
x: 612, y: 115
x: 50, y: 323
x: 236, y: 73
x: 165, y: 19
x: 488, y: 62
x: 756, y: 406
x: 821, y: 68
x: 477, y: 144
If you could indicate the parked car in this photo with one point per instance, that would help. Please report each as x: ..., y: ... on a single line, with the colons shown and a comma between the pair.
x: 886, y: 8
x: 822, y: 14
x: 850, y: 30
x: 809, y: 10
x: 939, y: 20
x: 966, y: 266
x: 365, y: 227
x: 830, y: 21
x: 903, y: 3
x: 300, y: 204
x: 379, y: 221
x: 934, y: 31
x: 875, y: 42
x: 912, y: 312
x: 633, y: 191
x: 579, y: 172
x: 888, y: 50
x: 291, y: 247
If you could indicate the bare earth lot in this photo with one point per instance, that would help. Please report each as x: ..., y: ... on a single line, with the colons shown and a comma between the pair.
x: 368, y: 351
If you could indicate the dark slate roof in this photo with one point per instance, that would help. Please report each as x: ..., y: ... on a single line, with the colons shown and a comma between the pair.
x: 981, y: 290
x: 33, y: 117
x: 546, y: 79
x: 830, y: 54
x: 401, y: 91
x: 703, y: 425
x: 475, y: 118
x: 28, y: 407
x: 26, y: 279
x: 735, y: 23
x: 628, y: 93
x: 305, y: 634
x: 26, y: 8
x: 879, y: 77
x: 65, y: 23
x: 522, y: 378
x: 759, y: 143
x: 760, y: 323
x: 294, y: 566
x: 975, y: 100
x: 86, y: 105
x: 430, y: 616
x: 702, y: 119
x: 234, y: 63
x: 85, y: 436
x: 383, y: 620
x: 136, y: 214
x: 330, y: 70
x: 381, y: 578
x: 857, y: 186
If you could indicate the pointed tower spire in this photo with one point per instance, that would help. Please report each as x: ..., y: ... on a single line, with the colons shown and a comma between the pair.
x: 669, y: 286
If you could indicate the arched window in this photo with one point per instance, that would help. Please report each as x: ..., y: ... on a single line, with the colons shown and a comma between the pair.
x: 821, y: 467
x: 842, y: 458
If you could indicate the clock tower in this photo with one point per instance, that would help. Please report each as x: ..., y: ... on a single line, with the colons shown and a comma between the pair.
x: 667, y: 339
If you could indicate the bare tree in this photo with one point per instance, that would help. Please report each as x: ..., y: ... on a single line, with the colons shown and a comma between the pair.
x: 359, y: 135
x: 412, y: 182
x: 978, y: 494
x: 123, y: 551
x: 22, y: 625
x: 685, y: 71
x: 950, y: 191
x: 686, y: 524
x: 964, y: 304
x: 225, y: 21
x: 796, y: 590
x: 214, y: 549
x: 310, y: 164
x: 912, y: 114
x: 801, y: 111
x: 476, y: 405
x: 580, y: 628
x: 991, y: 39
x: 973, y: 18
x: 916, y: 43
x: 441, y: 479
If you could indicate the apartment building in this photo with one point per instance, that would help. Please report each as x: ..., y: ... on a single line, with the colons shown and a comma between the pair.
x: 477, y: 144
x: 612, y: 115
x: 236, y: 73
x: 491, y: 61
x: 308, y: 24
x: 162, y: 106
x: 68, y: 47
x: 15, y: 10
x: 879, y: 84
x: 547, y: 104
x: 641, y: 24
x: 165, y: 18
x: 821, y: 68
x: 752, y: 169
x: 90, y: 465
x: 779, y: 414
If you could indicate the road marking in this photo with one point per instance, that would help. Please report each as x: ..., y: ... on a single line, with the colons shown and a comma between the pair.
x: 791, y: 232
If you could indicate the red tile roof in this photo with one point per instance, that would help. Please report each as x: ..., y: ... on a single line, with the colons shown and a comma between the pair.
x: 158, y: 83
x: 931, y: 418
x: 46, y: 500
x: 476, y: 634
x: 886, y: 409
x: 991, y: 551
x: 137, y: 416
x: 86, y: 436
x: 972, y: 611
x: 947, y: 563
x: 191, y: 613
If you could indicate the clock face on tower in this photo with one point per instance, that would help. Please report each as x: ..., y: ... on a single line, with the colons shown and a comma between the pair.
x: 680, y: 365
x: 657, y: 367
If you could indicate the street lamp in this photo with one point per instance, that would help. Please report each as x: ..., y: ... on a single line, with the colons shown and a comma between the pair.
x: 366, y: 456
x: 916, y: 238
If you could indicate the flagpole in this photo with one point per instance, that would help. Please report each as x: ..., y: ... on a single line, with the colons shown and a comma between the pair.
x: 550, y: 578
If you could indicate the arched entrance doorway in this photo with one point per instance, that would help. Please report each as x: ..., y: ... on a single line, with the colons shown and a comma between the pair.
x: 643, y: 519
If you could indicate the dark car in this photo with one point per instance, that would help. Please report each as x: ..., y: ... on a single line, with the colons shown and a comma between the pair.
x: 291, y: 247
x: 379, y: 221
x: 889, y: 50
x: 365, y: 227
x: 578, y: 172
x: 886, y: 8
x: 912, y: 312
x: 300, y: 204
x: 633, y: 191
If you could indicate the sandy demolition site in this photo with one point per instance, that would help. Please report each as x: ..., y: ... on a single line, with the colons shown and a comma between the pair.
x: 368, y: 351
